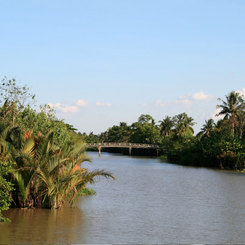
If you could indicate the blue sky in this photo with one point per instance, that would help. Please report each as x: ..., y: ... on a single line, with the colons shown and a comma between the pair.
x: 104, y: 62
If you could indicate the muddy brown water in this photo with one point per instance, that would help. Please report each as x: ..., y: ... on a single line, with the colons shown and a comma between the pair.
x: 152, y: 202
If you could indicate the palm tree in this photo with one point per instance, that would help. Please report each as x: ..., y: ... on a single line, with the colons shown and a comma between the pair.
x: 207, y: 128
x: 183, y: 125
x: 231, y: 108
x: 241, y: 116
x: 44, y: 172
x: 166, y: 126
x: 59, y: 173
x: 19, y: 149
x: 189, y: 123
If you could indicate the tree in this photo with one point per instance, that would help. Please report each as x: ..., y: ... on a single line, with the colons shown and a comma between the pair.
x: 145, y: 131
x: 59, y: 173
x: 207, y: 128
x: 166, y: 126
x: 14, y: 99
x: 5, y: 188
x: 45, y: 121
x: 117, y: 133
x: 44, y: 173
x: 92, y: 138
x: 241, y: 123
x: 231, y: 108
x: 145, y: 119
x: 183, y: 125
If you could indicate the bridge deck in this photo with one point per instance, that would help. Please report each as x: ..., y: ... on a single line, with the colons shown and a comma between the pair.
x: 123, y: 145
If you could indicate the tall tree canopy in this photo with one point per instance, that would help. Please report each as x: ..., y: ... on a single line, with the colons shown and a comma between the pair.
x: 231, y: 108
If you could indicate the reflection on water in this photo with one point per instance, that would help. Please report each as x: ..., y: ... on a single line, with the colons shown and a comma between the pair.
x: 42, y: 226
x: 152, y: 202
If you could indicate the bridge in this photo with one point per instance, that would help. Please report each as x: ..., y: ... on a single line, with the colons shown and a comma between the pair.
x: 123, y: 145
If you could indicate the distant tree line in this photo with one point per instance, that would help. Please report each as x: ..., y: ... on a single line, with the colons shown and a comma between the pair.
x: 218, y: 145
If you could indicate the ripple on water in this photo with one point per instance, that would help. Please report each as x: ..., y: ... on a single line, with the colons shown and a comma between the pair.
x: 152, y: 202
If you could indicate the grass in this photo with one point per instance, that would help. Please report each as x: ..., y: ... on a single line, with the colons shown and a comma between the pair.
x: 164, y: 157
x: 86, y: 191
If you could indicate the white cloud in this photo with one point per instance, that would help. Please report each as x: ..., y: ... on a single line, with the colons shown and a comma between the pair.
x: 181, y: 97
x: 202, y: 96
x: 213, y: 114
x: 159, y: 102
x: 100, y: 104
x: 186, y: 103
x: 186, y: 99
x: 241, y: 92
x: 64, y: 108
x: 82, y: 103
x: 143, y: 104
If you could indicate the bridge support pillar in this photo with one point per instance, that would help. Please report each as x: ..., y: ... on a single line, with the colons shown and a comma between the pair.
x: 129, y: 150
x: 99, y: 148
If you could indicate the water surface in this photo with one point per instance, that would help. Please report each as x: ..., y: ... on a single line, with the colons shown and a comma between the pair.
x: 152, y: 202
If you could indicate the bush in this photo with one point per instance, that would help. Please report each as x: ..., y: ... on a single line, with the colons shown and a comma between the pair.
x: 5, y: 188
x: 86, y: 191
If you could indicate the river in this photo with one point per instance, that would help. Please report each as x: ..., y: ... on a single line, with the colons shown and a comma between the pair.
x: 152, y: 202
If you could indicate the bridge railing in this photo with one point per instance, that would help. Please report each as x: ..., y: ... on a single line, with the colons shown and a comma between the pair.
x: 121, y: 144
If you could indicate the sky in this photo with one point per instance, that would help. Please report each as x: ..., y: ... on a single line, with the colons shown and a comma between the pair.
x: 102, y: 62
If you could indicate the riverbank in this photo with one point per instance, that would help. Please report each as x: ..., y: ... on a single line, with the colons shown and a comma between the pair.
x: 125, y: 151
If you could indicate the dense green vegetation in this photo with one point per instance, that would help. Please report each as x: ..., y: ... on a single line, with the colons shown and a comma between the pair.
x: 5, y: 188
x: 40, y: 156
x: 218, y: 145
